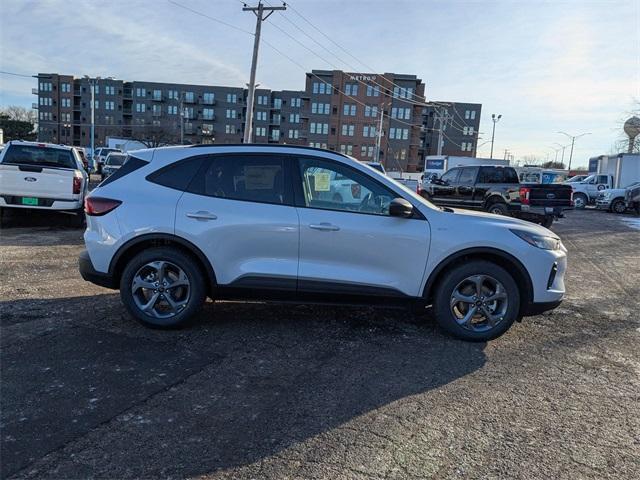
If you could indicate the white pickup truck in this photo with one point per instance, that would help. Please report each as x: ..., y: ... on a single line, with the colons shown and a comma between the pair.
x: 42, y: 176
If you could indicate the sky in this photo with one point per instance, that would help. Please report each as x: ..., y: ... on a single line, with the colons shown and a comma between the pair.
x: 545, y: 66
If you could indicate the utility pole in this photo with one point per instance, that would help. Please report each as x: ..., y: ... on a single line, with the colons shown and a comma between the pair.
x: 573, y: 141
x: 258, y: 11
x: 181, y: 118
x: 441, y: 121
x: 562, y: 147
x: 379, y: 136
x: 495, y: 119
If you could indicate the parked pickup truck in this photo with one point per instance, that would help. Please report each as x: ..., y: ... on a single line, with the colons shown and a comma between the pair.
x: 613, y: 199
x: 42, y: 176
x: 496, y: 189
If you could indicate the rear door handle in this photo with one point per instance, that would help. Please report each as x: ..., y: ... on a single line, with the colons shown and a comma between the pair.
x: 202, y: 215
x: 325, y: 227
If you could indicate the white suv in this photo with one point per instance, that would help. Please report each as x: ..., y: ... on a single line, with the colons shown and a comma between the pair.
x: 175, y: 225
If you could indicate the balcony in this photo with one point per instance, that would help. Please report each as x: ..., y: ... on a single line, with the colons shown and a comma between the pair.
x: 157, y: 98
x: 210, y: 118
x: 275, y: 120
x: 34, y: 91
x: 34, y: 106
x: 126, y: 111
x: 188, y: 99
x: 210, y: 101
x: 127, y: 93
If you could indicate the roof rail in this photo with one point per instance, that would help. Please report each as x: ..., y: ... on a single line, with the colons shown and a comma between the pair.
x: 265, y: 145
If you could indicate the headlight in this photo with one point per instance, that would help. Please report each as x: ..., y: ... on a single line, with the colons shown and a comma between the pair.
x: 606, y: 196
x: 540, y: 241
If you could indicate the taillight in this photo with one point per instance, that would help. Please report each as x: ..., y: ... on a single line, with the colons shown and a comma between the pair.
x: 97, y: 206
x: 77, y: 184
x: 524, y: 195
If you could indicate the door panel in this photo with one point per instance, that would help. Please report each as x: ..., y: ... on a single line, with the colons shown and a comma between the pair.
x: 247, y: 241
x: 356, y: 244
x: 444, y: 190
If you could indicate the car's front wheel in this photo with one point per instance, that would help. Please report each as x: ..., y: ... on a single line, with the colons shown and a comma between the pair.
x: 619, y: 206
x: 477, y: 301
x: 162, y: 287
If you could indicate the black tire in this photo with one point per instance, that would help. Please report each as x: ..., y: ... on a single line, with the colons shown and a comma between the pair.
x: 582, y: 201
x: 446, y: 286
x: 176, y: 257
x: 3, y: 221
x: 547, y: 221
x: 498, y: 208
x: 79, y: 220
x: 618, y: 206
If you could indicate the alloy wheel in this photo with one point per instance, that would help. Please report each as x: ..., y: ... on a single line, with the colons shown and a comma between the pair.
x: 479, y: 303
x: 161, y: 289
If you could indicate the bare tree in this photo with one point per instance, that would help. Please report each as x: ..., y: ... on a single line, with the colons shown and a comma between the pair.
x: 21, y: 114
x: 153, y: 136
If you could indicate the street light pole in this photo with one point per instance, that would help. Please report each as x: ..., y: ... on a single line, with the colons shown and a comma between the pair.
x: 92, y: 86
x: 495, y: 119
x: 573, y: 141
x: 258, y: 11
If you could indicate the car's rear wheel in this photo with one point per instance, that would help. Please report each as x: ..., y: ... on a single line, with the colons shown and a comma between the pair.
x: 162, y: 288
x: 477, y: 301
x: 618, y: 206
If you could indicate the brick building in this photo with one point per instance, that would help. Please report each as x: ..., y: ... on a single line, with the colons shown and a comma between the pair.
x: 337, y: 110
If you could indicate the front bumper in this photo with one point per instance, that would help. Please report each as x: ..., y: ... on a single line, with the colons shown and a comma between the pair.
x: 538, y: 308
x: 603, y: 204
x: 90, y: 274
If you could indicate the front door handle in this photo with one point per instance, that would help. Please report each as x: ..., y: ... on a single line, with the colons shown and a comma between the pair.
x: 325, y: 227
x: 202, y: 215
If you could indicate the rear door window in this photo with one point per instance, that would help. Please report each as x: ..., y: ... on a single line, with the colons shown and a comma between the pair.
x: 247, y: 177
x: 40, y: 156
x: 468, y: 175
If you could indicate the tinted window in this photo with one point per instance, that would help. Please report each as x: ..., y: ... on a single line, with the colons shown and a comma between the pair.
x: 130, y: 165
x: 602, y: 179
x: 115, y: 159
x: 332, y: 186
x: 468, y: 175
x: 451, y: 175
x: 498, y: 175
x: 252, y: 178
x: 40, y: 156
x: 177, y: 175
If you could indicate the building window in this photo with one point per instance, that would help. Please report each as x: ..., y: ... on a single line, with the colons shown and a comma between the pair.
x: 65, y: 102
x: 208, y: 98
x: 172, y: 109
x: 96, y: 104
x: 231, y: 129
x: 207, y: 129
x: 400, y: 92
x: 473, y: 114
x: 109, y: 120
x: 322, y: 88
x: 45, y: 101
x: 320, y: 108
x: 399, y: 133
x: 348, y: 130
x: 296, y: 102
x: 294, y: 118
x: 45, y: 86
x: 110, y: 105
x: 275, y: 134
x: 263, y: 100
x: 157, y: 94
x: 141, y: 107
x: 402, y: 113
x: 346, y: 149
x: 351, y: 89
x: 294, y: 133
x: 65, y: 117
x: 319, y: 128
x: 65, y: 88
x: 373, y: 91
x: 260, y: 115
x: 189, y: 97
x: 141, y: 92
x: 189, y: 113
x: 261, y: 132
x: 369, y: 131
x: 349, y: 109
x: 232, y: 113
x: 371, y: 111
x: 232, y: 98
x: 207, y: 113
x: 277, y: 103
x: 110, y: 90
x: 172, y: 94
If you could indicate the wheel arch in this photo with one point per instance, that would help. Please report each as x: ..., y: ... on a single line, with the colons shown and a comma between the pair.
x: 138, y: 244
x: 505, y: 260
x: 493, y: 197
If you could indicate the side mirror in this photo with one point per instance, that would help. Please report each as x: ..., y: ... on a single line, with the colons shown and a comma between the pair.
x: 399, y: 207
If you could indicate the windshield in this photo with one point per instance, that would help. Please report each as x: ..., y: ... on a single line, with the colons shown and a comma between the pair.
x: 40, y: 156
x: 115, y: 159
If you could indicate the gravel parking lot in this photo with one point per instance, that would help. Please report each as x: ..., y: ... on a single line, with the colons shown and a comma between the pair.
x: 282, y: 391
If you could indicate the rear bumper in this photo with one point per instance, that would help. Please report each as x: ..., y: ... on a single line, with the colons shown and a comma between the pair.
x: 542, y: 211
x: 90, y: 274
x: 9, y: 201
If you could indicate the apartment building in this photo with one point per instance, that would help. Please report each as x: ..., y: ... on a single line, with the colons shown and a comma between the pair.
x: 460, y: 124
x: 341, y: 111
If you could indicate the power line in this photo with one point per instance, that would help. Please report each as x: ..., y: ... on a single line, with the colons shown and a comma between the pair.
x: 15, y: 74
x: 222, y: 22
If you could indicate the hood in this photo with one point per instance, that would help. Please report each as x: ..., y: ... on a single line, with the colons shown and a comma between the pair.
x: 613, y: 190
x: 500, y: 221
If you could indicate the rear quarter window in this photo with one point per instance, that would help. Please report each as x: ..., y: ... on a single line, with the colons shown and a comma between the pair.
x: 132, y: 164
x: 178, y: 175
